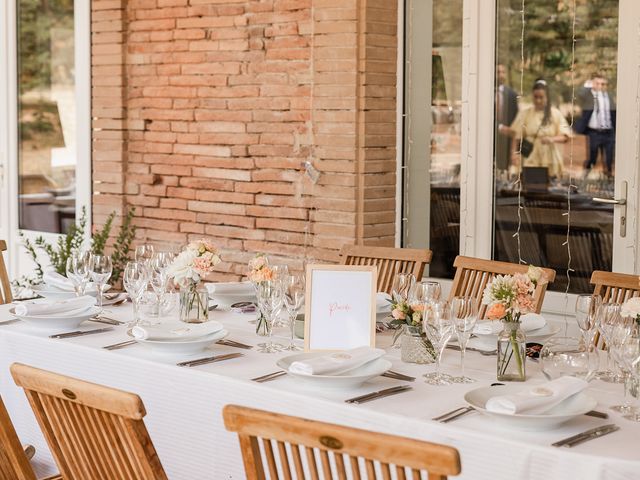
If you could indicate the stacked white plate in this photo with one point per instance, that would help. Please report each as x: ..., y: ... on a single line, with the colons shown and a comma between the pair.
x: 577, y: 405
x: 349, y: 379
x: 57, y: 321
x: 177, y: 338
x: 55, y: 293
x: 227, y: 293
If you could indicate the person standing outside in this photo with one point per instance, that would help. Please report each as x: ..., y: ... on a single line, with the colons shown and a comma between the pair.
x: 506, y: 102
x: 598, y: 123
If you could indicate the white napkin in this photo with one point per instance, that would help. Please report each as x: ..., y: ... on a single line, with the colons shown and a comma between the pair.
x: 337, y: 362
x: 54, y: 279
x: 537, y: 399
x: 71, y: 306
x: 231, y: 288
x: 179, y: 331
x: 528, y: 323
x: 382, y: 302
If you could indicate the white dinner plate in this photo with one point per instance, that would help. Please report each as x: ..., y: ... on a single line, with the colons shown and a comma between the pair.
x: 350, y: 379
x: 574, y: 406
x: 59, y: 321
x: 54, y: 293
x: 181, y: 347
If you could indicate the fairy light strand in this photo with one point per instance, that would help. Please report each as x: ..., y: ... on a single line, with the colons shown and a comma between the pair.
x: 516, y: 235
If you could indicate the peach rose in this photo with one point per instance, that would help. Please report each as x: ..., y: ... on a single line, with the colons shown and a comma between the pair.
x: 496, y: 311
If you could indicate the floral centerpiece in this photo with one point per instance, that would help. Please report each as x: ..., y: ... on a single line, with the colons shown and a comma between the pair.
x: 508, y: 297
x: 196, y: 261
x: 260, y: 271
x: 415, y: 346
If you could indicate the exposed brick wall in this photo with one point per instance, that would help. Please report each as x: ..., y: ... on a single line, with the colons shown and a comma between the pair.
x: 204, y: 111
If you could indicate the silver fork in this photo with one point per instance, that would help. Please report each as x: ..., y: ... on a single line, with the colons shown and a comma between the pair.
x: 205, y: 360
x: 116, y: 346
x: 453, y: 414
x: 269, y: 376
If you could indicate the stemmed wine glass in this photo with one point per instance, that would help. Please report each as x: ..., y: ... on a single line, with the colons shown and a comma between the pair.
x: 586, y: 316
x: 617, y: 336
x: 293, y: 299
x: 159, y: 263
x: 100, y: 268
x: 135, y: 283
x: 144, y: 253
x: 78, y: 271
x: 629, y: 355
x: 438, y: 328
x: 464, y: 314
x: 402, y: 283
x: 270, y: 302
x: 280, y: 272
x: 424, y: 292
x: 608, y: 317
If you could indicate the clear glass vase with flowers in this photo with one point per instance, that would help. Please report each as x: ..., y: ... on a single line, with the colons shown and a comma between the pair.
x: 508, y: 297
x: 260, y: 271
x: 196, y: 261
x: 415, y: 347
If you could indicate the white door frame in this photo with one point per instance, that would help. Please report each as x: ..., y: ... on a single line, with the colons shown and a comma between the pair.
x: 476, y: 178
x: 19, y: 263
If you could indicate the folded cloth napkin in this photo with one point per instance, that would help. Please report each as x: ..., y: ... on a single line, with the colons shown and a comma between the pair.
x: 54, y: 279
x: 178, y: 331
x: 528, y: 323
x: 537, y: 399
x: 231, y: 288
x: 70, y: 306
x: 337, y: 362
x: 382, y: 302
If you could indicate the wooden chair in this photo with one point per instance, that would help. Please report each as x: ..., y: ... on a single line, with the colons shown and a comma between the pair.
x: 388, y: 260
x: 14, y: 458
x: 5, y: 285
x: 94, y: 432
x: 615, y: 287
x: 291, y: 442
x: 473, y: 275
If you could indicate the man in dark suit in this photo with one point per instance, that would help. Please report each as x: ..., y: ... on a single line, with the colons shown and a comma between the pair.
x: 598, y: 123
x: 506, y: 110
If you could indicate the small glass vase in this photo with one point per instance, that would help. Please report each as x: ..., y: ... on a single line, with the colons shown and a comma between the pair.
x: 511, y: 353
x: 414, y: 346
x: 194, y: 304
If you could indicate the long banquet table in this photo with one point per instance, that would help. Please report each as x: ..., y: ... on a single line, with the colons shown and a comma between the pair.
x: 184, y: 406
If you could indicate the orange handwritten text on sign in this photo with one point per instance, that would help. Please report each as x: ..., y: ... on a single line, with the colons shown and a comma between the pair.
x: 336, y: 307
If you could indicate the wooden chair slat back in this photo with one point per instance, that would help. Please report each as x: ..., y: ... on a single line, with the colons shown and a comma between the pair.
x: 324, y: 449
x: 94, y: 432
x: 5, y: 284
x: 473, y: 274
x: 14, y: 464
x: 615, y: 287
x: 388, y: 260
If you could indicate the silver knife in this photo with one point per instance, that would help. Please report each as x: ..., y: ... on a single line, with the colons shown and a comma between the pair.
x: 79, y: 333
x: 379, y: 394
x: 205, y: 360
x: 587, y: 435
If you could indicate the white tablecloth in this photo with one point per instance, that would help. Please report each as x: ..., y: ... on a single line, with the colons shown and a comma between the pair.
x: 184, y: 407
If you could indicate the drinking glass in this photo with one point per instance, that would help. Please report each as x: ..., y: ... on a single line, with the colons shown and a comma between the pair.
x: 438, y: 328
x: 144, y: 253
x: 78, y: 271
x: 402, y: 283
x: 100, y: 268
x: 586, y: 315
x: 566, y: 356
x: 270, y: 302
x: 464, y: 314
x: 617, y: 336
x: 629, y: 354
x: 293, y: 300
x: 424, y: 292
x: 159, y: 263
x: 280, y: 272
x: 135, y: 280
x: 608, y: 317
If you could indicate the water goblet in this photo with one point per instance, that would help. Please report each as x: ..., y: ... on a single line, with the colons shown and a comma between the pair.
x: 78, y: 271
x: 280, y: 272
x: 586, y: 315
x: 438, y: 327
x: 158, y: 277
x: 100, y: 268
x: 424, y: 291
x: 629, y: 355
x: 617, y: 336
x: 608, y: 317
x: 293, y: 299
x: 144, y: 253
x: 402, y: 283
x: 135, y: 280
x: 269, y: 302
x: 464, y: 314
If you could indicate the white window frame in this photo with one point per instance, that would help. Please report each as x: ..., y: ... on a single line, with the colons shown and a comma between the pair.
x: 19, y: 263
x: 476, y: 192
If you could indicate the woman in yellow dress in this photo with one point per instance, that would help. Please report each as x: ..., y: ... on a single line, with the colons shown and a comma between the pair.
x: 543, y: 126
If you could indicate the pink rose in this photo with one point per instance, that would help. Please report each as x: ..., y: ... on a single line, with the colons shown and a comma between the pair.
x: 398, y: 314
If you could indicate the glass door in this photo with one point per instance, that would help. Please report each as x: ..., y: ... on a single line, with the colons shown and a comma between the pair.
x: 562, y: 184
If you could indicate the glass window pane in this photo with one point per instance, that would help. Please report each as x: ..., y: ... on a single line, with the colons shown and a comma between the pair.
x: 555, y: 159
x: 46, y: 115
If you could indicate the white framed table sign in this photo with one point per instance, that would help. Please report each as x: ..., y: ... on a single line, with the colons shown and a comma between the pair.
x: 340, y: 307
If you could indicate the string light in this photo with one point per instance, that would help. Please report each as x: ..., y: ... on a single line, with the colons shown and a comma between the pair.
x: 519, y: 181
